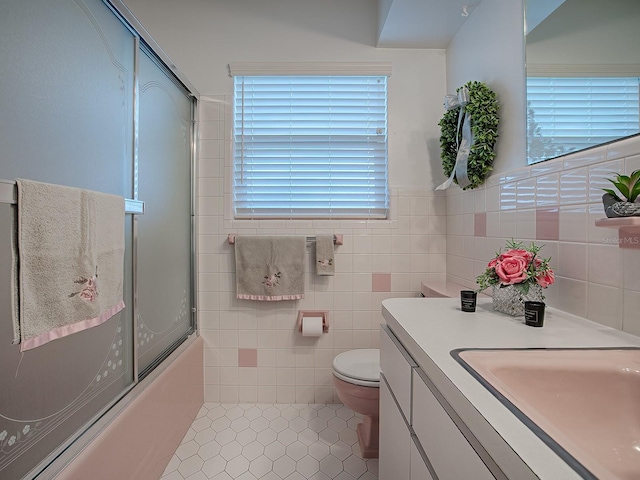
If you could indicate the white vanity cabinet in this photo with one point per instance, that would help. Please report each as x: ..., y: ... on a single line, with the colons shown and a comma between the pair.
x: 419, y: 469
x: 397, y: 366
x: 423, y: 442
x: 447, y: 448
x: 394, y: 444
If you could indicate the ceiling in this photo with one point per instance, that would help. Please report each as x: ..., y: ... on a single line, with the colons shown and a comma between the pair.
x: 421, y: 23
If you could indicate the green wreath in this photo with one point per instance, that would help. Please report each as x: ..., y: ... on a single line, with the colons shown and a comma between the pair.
x: 483, y: 108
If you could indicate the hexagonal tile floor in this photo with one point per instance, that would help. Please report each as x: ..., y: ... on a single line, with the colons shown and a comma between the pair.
x: 271, y: 442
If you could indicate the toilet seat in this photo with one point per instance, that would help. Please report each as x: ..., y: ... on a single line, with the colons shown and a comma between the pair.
x: 358, y: 367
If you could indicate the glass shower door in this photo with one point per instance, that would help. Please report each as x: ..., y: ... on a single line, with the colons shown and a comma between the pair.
x: 66, y: 97
x: 164, y: 171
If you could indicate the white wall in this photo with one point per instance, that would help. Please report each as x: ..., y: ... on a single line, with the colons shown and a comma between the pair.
x: 202, y: 38
x: 490, y: 48
x: 588, y: 32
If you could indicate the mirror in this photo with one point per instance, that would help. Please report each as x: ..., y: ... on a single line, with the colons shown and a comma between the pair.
x: 583, y: 74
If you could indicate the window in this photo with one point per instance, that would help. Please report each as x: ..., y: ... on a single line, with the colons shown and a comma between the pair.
x: 565, y: 114
x: 310, y: 146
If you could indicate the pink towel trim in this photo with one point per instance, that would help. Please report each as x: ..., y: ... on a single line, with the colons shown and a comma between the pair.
x: 65, y: 330
x: 270, y: 298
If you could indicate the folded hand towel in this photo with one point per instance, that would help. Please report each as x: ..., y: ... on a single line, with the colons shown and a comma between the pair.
x: 325, y: 263
x: 68, y: 238
x: 270, y: 268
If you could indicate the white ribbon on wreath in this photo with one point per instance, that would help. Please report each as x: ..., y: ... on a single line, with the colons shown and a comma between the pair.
x: 463, y: 145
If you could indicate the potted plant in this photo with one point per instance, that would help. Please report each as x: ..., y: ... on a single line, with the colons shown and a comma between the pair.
x: 623, y: 202
x: 517, y: 275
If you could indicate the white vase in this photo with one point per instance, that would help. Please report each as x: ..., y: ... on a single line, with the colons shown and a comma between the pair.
x: 510, y: 300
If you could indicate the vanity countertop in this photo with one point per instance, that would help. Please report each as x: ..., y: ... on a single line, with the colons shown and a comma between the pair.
x: 430, y: 328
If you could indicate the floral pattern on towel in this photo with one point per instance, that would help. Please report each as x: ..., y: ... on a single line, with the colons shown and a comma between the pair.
x: 89, y: 290
x: 325, y: 263
x: 272, y: 280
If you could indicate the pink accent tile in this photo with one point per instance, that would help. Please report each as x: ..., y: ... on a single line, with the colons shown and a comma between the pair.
x: 480, y: 224
x: 548, y: 224
x: 247, y: 357
x: 381, y: 282
x: 629, y: 238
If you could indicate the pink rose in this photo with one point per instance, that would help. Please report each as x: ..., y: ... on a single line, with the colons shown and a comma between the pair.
x: 512, y: 270
x: 517, y: 252
x: 88, y: 294
x: 545, y: 279
x: 493, y: 263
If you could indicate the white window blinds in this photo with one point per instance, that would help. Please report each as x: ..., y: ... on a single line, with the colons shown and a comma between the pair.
x: 310, y: 146
x: 566, y: 114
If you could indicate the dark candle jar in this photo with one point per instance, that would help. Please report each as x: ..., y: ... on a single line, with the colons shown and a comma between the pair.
x: 534, y: 313
x: 468, y: 300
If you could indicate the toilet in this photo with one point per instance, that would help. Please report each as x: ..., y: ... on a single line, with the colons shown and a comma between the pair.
x: 356, y: 376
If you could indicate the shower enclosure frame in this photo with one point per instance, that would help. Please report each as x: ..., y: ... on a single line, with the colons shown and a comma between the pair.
x: 59, y: 458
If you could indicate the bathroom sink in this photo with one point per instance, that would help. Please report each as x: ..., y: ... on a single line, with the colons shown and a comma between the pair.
x: 583, y: 403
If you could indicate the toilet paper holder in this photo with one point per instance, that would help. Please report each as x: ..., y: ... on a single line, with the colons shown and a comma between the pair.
x: 314, y: 313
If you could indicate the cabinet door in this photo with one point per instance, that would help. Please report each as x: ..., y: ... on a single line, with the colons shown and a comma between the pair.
x: 419, y: 469
x: 396, y: 365
x: 395, y: 439
x: 447, y: 449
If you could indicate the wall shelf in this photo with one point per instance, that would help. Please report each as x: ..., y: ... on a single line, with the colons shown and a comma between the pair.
x: 626, y: 222
x: 628, y: 230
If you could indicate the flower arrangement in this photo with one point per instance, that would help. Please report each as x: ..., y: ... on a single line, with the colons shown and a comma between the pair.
x: 518, y: 266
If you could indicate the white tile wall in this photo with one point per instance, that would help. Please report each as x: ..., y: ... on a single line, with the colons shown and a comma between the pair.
x: 411, y: 247
x: 428, y: 237
x: 595, y: 278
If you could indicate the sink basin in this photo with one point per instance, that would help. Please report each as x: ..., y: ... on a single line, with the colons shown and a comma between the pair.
x: 583, y: 403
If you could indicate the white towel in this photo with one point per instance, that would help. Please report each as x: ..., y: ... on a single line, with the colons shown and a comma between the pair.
x: 270, y: 268
x: 71, y: 257
x: 325, y: 261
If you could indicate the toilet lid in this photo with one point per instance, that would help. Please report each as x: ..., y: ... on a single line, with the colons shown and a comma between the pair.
x: 357, y: 366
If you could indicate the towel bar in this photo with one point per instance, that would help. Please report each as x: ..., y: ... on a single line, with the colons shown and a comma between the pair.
x: 9, y: 194
x: 337, y: 238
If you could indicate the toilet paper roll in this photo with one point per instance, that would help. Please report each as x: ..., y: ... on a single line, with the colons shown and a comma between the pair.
x: 311, y: 326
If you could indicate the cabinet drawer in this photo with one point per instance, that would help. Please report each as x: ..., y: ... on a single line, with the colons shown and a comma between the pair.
x: 394, y: 460
x: 448, y: 451
x: 396, y: 364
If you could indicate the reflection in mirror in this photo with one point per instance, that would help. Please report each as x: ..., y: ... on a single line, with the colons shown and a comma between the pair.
x: 583, y: 74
